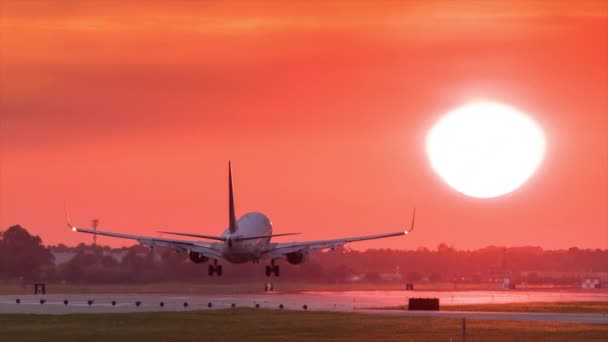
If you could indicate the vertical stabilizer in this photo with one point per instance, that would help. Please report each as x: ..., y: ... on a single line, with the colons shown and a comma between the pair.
x: 232, y: 214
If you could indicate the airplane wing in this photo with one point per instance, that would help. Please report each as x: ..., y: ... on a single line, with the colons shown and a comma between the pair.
x: 278, y: 250
x: 204, y: 248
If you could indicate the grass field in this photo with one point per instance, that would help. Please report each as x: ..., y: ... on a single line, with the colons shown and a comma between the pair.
x: 271, y: 325
x: 563, y: 307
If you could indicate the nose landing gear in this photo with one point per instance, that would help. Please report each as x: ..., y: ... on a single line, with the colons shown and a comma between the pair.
x: 272, y: 268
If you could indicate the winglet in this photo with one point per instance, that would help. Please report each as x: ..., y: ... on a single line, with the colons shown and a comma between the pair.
x: 412, y: 226
x: 67, y: 218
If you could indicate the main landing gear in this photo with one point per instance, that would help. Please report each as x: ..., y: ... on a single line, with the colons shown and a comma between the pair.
x: 272, y: 268
x: 215, y: 268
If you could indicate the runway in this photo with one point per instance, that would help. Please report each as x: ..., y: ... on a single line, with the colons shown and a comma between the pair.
x: 341, y: 301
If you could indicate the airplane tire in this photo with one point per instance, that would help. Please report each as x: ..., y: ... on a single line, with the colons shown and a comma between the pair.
x: 268, y: 270
x: 211, y: 270
x: 219, y: 270
x: 276, y: 270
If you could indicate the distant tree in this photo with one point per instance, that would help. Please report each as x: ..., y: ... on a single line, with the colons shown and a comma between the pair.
x: 72, y: 271
x: 22, y: 254
x: 435, y: 277
x: 109, y: 261
x: 342, y: 272
x: 372, y: 276
x: 444, y: 248
x: 413, y: 276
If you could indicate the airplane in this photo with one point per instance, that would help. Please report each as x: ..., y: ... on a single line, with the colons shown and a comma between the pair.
x: 245, y: 240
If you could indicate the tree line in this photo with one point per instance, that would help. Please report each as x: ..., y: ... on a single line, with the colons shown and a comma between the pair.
x: 25, y: 258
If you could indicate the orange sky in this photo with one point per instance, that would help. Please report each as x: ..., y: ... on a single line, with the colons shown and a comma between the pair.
x: 131, y: 113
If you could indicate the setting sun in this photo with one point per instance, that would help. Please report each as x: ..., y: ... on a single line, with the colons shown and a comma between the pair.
x: 485, y: 149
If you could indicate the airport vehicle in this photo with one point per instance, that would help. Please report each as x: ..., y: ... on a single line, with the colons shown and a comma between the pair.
x: 245, y: 240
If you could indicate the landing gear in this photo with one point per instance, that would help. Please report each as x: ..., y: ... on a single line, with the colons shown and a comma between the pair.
x: 215, y: 268
x: 272, y: 268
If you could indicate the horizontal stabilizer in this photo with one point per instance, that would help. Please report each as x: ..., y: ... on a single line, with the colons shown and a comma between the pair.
x: 262, y: 236
x: 209, y: 237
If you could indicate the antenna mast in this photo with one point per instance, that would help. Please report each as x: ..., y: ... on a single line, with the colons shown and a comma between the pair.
x: 94, y: 223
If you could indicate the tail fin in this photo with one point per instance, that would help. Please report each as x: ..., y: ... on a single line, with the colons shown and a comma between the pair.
x: 232, y: 214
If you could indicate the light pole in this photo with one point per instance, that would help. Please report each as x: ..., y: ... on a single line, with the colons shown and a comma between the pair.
x: 94, y: 223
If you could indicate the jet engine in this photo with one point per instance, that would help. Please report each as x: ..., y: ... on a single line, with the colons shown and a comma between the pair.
x: 197, y: 258
x: 295, y: 258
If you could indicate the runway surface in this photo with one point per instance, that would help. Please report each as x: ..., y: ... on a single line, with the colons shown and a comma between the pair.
x: 347, y: 301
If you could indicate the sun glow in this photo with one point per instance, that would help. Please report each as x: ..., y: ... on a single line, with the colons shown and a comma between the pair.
x: 485, y: 149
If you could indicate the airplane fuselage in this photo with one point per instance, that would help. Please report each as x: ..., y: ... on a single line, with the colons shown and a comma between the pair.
x: 249, y: 225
